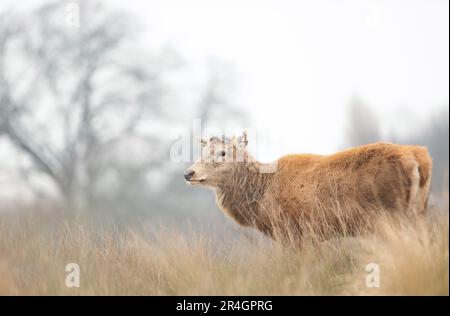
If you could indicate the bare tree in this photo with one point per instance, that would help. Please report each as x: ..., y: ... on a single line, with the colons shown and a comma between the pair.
x: 69, y: 96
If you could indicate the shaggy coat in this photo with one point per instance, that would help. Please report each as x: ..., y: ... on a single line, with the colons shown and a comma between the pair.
x: 339, y: 191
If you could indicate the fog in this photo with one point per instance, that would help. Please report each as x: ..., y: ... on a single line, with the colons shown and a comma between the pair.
x: 94, y: 95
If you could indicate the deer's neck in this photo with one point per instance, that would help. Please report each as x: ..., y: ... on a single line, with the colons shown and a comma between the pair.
x: 240, y: 194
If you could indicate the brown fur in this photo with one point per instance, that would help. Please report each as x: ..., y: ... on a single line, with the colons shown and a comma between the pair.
x: 339, y: 191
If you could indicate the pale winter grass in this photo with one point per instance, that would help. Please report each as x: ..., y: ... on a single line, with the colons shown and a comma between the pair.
x: 412, y: 255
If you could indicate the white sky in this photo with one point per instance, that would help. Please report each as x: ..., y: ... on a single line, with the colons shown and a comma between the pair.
x: 300, y: 62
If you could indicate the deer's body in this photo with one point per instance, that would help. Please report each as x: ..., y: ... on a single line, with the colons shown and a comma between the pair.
x: 326, y: 190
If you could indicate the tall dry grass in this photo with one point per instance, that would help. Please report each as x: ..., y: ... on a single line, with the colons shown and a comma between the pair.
x: 412, y: 255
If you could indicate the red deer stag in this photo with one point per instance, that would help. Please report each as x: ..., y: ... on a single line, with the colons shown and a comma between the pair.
x: 340, y: 191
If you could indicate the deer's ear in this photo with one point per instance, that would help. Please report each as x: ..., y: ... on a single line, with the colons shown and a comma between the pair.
x: 203, y: 141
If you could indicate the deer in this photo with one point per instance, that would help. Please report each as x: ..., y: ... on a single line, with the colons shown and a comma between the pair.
x: 341, y: 191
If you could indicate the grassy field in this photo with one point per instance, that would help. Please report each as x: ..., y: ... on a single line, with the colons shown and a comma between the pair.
x: 412, y: 256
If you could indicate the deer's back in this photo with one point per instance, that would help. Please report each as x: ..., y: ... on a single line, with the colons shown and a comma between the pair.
x: 370, y: 176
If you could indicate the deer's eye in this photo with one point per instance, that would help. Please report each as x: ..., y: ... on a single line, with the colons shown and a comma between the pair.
x: 222, y: 153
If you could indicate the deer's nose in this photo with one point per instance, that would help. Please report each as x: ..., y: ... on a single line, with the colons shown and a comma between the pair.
x: 188, y: 174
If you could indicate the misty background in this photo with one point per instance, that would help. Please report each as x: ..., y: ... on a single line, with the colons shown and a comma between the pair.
x: 89, y: 110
